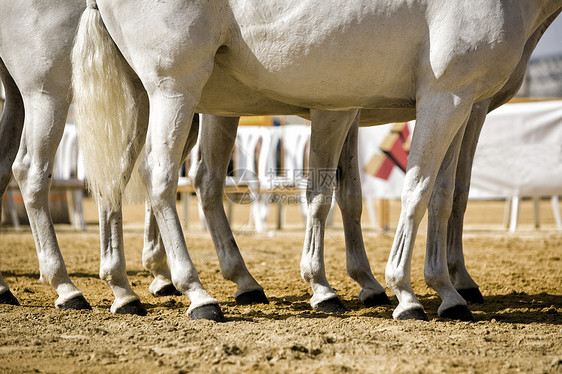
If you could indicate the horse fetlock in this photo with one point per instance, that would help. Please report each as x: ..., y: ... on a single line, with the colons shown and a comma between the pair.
x: 395, y: 279
x: 113, y: 275
x: 185, y: 282
x: 360, y: 272
x: 54, y: 273
x: 153, y: 261
x: 462, y: 280
x: 199, y: 297
x: 436, y: 280
x: 308, y: 274
x: 233, y: 269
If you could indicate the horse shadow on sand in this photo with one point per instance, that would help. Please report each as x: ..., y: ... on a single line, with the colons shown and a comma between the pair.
x: 514, y: 307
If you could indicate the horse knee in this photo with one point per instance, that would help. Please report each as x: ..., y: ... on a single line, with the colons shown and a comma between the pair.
x: 415, y: 202
x: 33, y: 181
x: 160, y: 186
x: 20, y: 167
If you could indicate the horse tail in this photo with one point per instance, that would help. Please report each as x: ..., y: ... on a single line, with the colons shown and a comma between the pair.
x: 104, y: 104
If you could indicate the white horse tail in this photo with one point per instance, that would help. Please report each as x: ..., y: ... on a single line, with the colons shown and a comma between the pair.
x: 104, y: 107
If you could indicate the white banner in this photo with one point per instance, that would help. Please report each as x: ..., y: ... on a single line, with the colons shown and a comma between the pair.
x: 519, y: 154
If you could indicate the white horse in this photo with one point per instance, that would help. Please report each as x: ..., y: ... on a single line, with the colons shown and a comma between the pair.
x: 37, y: 149
x: 45, y: 106
x: 450, y: 57
x: 35, y: 40
x: 219, y: 133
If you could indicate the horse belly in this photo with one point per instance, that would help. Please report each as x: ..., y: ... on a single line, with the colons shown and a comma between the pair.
x: 223, y: 95
x: 361, y: 56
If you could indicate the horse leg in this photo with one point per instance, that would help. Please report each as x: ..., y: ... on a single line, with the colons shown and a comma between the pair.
x: 439, y: 211
x: 154, y: 258
x: 218, y: 135
x: 153, y: 253
x: 174, y: 86
x: 171, y: 113
x: 11, y: 125
x: 439, y: 118
x: 113, y: 267
x: 44, y: 124
x: 329, y: 130
x: 462, y: 281
x: 112, y: 256
x: 348, y: 196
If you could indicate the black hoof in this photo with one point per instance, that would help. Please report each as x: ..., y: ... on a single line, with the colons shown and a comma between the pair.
x: 8, y: 298
x: 459, y: 313
x: 76, y: 303
x: 134, y: 307
x: 417, y: 313
x: 211, y: 312
x: 472, y: 295
x: 333, y: 305
x: 252, y: 297
x: 376, y: 300
x: 168, y: 290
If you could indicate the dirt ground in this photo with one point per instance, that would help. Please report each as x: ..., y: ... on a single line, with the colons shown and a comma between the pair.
x: 518, y: 329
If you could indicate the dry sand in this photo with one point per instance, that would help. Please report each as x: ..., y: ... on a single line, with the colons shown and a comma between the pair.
x: 518, y: 329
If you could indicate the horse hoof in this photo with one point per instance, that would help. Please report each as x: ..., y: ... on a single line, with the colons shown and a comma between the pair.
x: 134, y: 307
x: 376, y: 300
x: 8, y: 298
x: 168, y: 290
x: 76, y: 303
x: 417, y: 314
x: 333, y: 305
x: 472, y: 295
x: 252, y: 297
x: 459, y: 313
x: 211, y: 312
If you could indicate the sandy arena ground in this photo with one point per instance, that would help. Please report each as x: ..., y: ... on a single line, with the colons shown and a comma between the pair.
x: 519, y: 328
